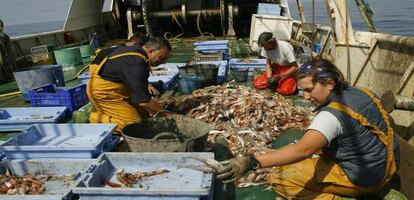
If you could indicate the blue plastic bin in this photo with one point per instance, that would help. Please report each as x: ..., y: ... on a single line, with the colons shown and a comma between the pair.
x: 69, y: 141
x: 188, y: 84
x: 169, y: 75
x: 251, y: 64
x: 178, y: 183
x: 50, y: 95
x: 55, y: 189
x: 212, y: 43
x: 34, y: 77
x: 17, y: 119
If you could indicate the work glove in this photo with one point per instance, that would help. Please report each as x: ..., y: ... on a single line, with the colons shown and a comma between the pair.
x: 233, y: 169
x: 153, y: 91
x: 274, y: 81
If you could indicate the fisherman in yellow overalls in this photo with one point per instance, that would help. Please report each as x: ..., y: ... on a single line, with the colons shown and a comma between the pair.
x: 358, y: 149
x: 118, y: 86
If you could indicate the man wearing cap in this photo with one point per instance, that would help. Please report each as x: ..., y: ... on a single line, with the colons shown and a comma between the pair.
x: 281, y: 64
x: 118, y: 87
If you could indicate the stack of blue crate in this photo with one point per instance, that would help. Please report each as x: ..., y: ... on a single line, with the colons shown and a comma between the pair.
x: 214, y: 47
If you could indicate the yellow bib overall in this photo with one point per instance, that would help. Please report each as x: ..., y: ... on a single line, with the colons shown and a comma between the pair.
x: 322, y: 178
x: 109, y: 99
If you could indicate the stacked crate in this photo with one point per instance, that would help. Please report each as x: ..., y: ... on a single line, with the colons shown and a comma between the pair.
x: 214, y: 50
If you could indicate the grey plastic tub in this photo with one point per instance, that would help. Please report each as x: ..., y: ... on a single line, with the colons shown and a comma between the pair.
x: 167, y: 134
x: 56, y: 189
x: 180, y: 183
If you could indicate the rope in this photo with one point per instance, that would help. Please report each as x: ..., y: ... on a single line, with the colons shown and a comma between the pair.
x: 348, y: 53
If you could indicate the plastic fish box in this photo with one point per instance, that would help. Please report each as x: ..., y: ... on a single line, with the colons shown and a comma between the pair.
x: 17, y: 119
x: 54, y: 189
x: 247, y: 63
x: 211, y: 43
x: 50, y: 141
x: 222, y: 71
x: 50, y: 95
x: 167, y: 74
x: 212, y: 48
x: 179, y: 183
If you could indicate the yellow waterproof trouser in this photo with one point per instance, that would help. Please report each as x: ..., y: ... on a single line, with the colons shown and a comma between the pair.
x: 110, y: 99
x: 314, y: 178
x: 322, y: 178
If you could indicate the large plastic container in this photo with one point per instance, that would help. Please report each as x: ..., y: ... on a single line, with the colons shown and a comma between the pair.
x: 50, y: 95
x: 17, y: 119
x: 54, y: 189
x: 68, y: 57
x: 34, y: 77
x: 187, y: 84
x: 222, y: 71
x: 69, y: 141
x: 179, y: 183
x: 207, y: 73
x: 239, y: 74
x: 280, y: 26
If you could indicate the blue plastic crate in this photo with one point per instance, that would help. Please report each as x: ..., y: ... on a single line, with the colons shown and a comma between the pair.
x: 211, y: 48
x: 178, y: 183
x: 167, y: 74
x: 69, y: 141
x: 54, y: 189
x: 17, y: 119
x: 50, y: 95
x: 223, y: 69
x: 251, y: 64
x: 212, y: 43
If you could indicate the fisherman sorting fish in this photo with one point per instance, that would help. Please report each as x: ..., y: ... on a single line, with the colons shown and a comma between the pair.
x: 118, y: 87
x: 281, y: 65
x: 350, y: 148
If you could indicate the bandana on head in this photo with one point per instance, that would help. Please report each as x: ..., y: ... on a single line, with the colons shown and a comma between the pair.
x: 320, y: 73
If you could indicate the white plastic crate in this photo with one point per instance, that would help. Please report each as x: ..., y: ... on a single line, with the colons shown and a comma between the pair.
x: 55, y: 189
x: 17, y: 119
x: 69, y: 141
x: 179, y: 183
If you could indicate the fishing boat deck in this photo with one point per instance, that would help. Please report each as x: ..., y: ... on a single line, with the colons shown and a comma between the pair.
x: 183, y: 53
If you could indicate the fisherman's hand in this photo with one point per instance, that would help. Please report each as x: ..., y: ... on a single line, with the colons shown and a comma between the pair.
x: 233, y: 169
x: 274, y: 81
x: 153, y: 91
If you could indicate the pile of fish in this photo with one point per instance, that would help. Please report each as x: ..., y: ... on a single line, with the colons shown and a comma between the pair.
x: 27, y: 184
x: 247, y: 118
